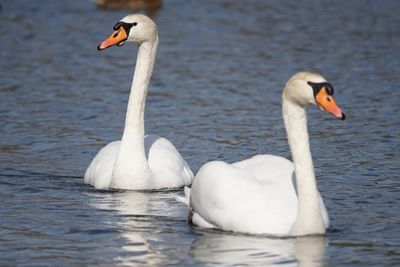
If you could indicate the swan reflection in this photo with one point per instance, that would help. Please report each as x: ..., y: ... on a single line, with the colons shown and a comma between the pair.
x: 152, y: 230
x: 230, y: 249
x: 132, y: 212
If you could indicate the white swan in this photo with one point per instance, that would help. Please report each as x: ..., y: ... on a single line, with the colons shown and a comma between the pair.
x: 258, y: 195
x: 138, y: 162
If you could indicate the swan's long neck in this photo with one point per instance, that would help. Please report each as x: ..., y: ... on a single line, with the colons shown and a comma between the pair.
x: 309, y: 217
x: 131, y: 162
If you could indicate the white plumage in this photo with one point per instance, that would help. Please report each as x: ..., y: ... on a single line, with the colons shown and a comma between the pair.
x: 264, y: 194
x: 137, y: 161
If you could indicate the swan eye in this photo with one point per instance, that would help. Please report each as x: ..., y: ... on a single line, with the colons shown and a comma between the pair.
x: 127, y: 26
x: 318, y: 86
x: 117, y: 25
x: 329, y: 89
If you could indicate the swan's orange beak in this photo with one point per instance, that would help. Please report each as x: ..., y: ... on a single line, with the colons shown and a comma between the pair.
x: 118, y: 37
x: 327, y: 103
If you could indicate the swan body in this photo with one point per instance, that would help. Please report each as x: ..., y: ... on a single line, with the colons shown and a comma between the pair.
x: 256, y: 195
x: 165, y: 162
x: 138, y: 162
x: 268, y: 194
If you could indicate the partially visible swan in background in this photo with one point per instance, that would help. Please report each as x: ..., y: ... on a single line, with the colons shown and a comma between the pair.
x: 129, y: 4
x: 138, y: 162
x: 258, y: 195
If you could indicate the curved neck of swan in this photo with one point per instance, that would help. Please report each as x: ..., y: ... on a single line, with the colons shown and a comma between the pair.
x: 131, y: 158
x: 309, y: 217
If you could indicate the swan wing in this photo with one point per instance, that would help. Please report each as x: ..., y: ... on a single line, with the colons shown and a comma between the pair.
x: 276, y: 169
x: 166, y: 164
x: 268, y: 168
x: 232, y: 198
x: 99, y: 172
x: 271, y: 168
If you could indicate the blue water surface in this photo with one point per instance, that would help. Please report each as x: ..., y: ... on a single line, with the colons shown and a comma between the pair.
x: 216, y: 94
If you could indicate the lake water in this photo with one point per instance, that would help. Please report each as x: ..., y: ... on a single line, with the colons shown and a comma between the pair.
x: 216, y: 94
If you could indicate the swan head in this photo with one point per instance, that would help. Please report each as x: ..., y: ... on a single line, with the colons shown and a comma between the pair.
x: 136, y: 28
x: 306, y: 88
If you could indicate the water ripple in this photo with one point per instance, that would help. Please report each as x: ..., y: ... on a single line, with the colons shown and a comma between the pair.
x: 216, y: 93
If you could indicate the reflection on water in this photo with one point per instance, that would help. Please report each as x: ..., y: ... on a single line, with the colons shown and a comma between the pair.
x: 216, y: 93
x: 228, y: 250
x: 130, y: 208
x: 141, y: 213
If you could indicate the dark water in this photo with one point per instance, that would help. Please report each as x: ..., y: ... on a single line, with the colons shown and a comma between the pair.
x: 216, y: 94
